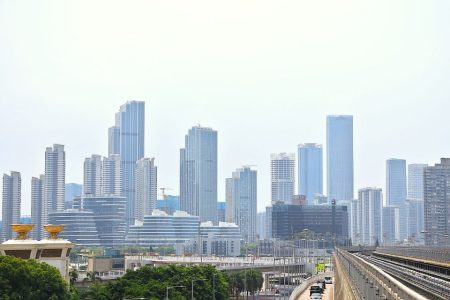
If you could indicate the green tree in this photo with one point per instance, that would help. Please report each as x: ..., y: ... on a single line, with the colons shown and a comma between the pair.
x: 73, y: 276
x: 30, y: 279
x: 254, y: 281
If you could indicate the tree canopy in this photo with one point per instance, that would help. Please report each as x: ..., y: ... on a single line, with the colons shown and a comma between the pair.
x: 151, y: 283
x: 30, y: 279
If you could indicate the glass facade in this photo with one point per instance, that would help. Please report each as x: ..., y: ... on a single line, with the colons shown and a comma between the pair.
x: 415, y: 201
x: 396, y: 191
x: 131, y: 122
x: 11, y: 201
x: 310, y: 171
x: 340, y: 157
x: 198, y: 174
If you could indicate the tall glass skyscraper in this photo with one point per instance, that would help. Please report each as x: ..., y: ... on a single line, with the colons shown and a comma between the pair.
x: 340, y: 157
x: 131, y: 122
x: 198, y: 174
x: 242, y: 193
x: 396, y: 190
x: 113, y: 140
x: 37, y: 205
x: 414, y: 201
x: 92, y: 179
x: 282, y: 171
x: 12, y: 189
x: 310, y: 171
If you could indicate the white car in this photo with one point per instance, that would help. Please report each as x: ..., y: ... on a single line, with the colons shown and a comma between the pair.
x: 316, y: 297
x: 328, y: 280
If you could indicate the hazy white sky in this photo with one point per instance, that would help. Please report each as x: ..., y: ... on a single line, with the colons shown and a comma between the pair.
x: 263, y: 73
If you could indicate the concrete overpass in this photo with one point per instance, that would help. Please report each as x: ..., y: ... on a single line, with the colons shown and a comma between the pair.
x: 392, y: 273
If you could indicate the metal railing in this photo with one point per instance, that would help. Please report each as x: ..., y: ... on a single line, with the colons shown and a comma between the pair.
x: 372, y: 283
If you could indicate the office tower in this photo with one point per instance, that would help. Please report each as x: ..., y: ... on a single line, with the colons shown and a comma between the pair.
x: 72, y: 190
x: 54, y: 181
x: 243, y: 200
x: 111, y: 176
x: 37, y: 205
x: 328, y: 221
x: 351, y: 213
x: 391, y: 226
x: 310, y: 171
x: 282, y: 170
x: 230, y: 209
x: 370, y: 216
x: 221, y: 211
x: 146, y: 187
x: 12, y: 189
x: 261, y: 225
x: 396, y: 190
x: 113, y: 140
x: 92, y: 180
x: 340, y: 157
x: 198, y: 174
x: 437, y: 204
x: 414, y: 201
x: 131, y: 122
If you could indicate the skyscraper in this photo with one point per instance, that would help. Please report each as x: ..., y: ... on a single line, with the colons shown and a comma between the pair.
x: 391, y: 227
x: 198, y: 174
x: 310, y: 171
x: 92, y: 180
x: 131, y: 122
x: 414, y: 201
x: 54, y: 182
x: 37, y: 205
x: 437, y: 204
x: 111, y: 176
x: 340, y: 157
x: 146, y: 187
x: 243, y: 196
x: 12, y: 189
x: 370, y: 208
x: 282, y: 170
x: 396, y: 190
x: 113, y: 140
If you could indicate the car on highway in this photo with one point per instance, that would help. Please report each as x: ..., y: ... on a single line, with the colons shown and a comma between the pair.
x: 315, y: 289
x: 315, y: 296
x: 328, y: 280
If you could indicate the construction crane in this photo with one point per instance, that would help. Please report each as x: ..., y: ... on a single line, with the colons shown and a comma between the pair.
x: 163, y: 194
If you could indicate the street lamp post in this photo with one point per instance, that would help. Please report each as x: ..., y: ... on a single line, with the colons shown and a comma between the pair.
x: 172, y: 287
x: 214, y: 286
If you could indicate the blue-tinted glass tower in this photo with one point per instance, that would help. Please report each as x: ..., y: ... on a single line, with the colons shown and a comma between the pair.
x: 131, y: 122
x: 340, y: 157
x: 310, y: 171
x: 198, y: 174
x: 396, y: 191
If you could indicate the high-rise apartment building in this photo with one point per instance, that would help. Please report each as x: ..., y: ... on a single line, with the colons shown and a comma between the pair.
x: 113, y: 140
x: 112, y: 176
x: 370, y: 209
x: 282, y: 171
x: 198, y: 174
x: 261, y: 225
x: 146, y: 187
x: 391, y: 226
x: 11, y: 201
x: 37, y: 206
x: 243, y: 195
x: 54, y: 181
x: 310, y: 171
x: 437, y: 204
x: 414, y: 202
x: 340, y: 157
x: 92, y: 180
x: 131, y: 123
x: 396, y: 190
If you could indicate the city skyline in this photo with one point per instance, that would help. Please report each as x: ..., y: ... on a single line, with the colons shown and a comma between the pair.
x: 67, y: 90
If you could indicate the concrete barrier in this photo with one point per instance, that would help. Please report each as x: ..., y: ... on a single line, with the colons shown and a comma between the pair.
x: 304, y: 286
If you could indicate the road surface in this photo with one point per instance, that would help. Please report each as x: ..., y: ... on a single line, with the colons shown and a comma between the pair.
x: 327, y: 295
